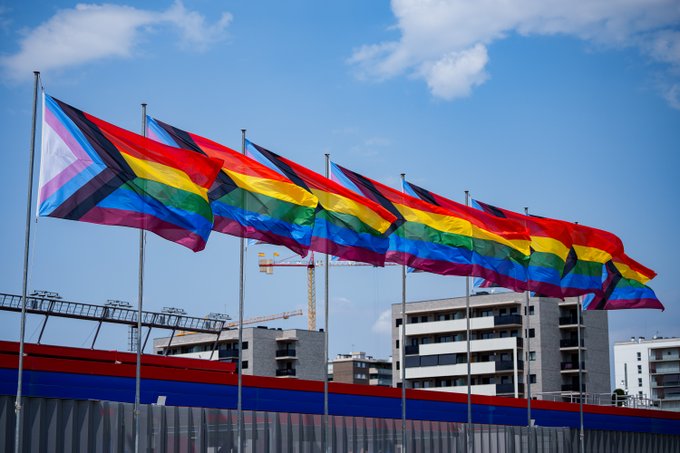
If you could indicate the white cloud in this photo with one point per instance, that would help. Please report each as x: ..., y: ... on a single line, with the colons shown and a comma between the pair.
x: 94, y: 31
x: 384, y: 323
x: 444, y: 41
x: 455, y: 74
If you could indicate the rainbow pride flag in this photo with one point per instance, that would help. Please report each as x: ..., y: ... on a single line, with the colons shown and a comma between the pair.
x: 592, y: 249
x: 624, y: 287
x: 93, y: 171
x: 550, y: 243
x: 346, y: 225
x: 432, y: 239
x: 249, y: 199
x: 500, y: 247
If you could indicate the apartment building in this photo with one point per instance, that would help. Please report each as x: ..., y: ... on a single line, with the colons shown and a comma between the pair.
x: 359, y: 368
x: 290, y: 353
x: 501, y: 342
x: 649, y: 370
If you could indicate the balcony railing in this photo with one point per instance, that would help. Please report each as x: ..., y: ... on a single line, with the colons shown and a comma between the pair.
x: 412, y: 350
x: 504, y: 320
x: 228, y: 353
x: 508, y: 388
x: 285, y: 353
x: 568, y: 320
x: 570, y: 343
x: 285, y: 372
x: 572, y: 388
x: 504, y: 365
x: 572, y: 365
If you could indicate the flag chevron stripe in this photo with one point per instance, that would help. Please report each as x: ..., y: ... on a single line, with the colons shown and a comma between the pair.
x: 96, y: 172
x: 84, y: 130
x: 248, y: 199
x: 88, y: 195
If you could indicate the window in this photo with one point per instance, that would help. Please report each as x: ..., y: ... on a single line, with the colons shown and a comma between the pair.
x: 244, y: 345
x: 532, y: 378
x: 397, y: 364
x: 423, y: 319
x: 639, y: 369
x: 414, y: 320
x: 532, y: 333
x: 429, y: 360
x: 397, y: 344
x: 361, y: 364
x: 360, y: 376
x: 397, y: 323
x: 639, y: 356
x: 532, y: 356
x: 244, y: 365
x: 531, y: 310
x: 639, y: 382
x: 640, y: 393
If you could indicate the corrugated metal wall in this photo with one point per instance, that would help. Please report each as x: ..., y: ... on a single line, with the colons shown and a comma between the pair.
x: 56, y: 425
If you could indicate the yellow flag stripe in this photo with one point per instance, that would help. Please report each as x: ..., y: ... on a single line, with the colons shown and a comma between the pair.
x: 344, y: 205
x: 281, y: 190
x: 163, y: 174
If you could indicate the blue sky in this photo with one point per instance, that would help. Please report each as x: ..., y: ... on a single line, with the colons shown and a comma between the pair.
x: 569, y: 108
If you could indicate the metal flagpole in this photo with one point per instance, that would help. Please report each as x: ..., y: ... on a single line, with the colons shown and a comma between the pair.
x: 140, y: 297
x: 403, y: 346
x: 24, y: 289
x: 326, y: 437
x: 527, y: 361
x: 580, y: 376
x: 241, y: 301
x: 467, y: 341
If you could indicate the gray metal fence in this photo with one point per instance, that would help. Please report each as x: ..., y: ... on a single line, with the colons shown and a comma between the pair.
x: 58, y: 425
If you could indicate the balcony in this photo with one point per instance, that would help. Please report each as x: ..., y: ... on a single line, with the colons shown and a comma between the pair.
x: 285, y: 372
x: 571, y: 366
x: 285, y: 353
x: 572, y: 388
x: 568, y: 321
x: 508, y: 365
x: 228, y: 353
x: 505, y: 320
x: 508, y: 388
x: 411, y: 350
x: 570, y: 343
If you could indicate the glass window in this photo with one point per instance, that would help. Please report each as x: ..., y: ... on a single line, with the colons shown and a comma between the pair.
x: 429, y: 360
x: 639, y: 382
x: 639, y: 356
x: 397, y: 322
x: 245, y: 345
x: 532, y: 356
x: 639, y: 369
x: 532, y: 378
x: 244, y: 365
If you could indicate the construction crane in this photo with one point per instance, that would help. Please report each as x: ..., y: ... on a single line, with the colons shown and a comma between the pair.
x: 255, y: 320
x: 284, y: 315
x: 267, y: 266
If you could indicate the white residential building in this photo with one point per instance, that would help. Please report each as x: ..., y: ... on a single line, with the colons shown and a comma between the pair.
x: 649, y: 369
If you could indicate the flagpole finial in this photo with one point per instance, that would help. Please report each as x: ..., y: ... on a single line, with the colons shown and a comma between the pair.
x: 403, y: 175
x: 36, y: 72
x: 467, y: 192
